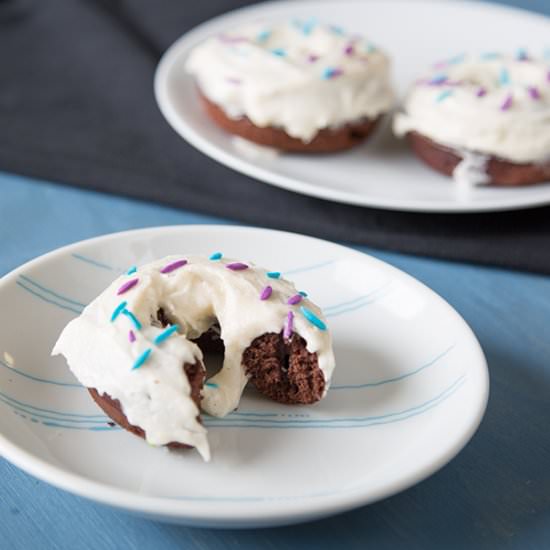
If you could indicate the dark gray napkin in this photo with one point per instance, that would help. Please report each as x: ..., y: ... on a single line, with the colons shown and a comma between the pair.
x: 77, y: 106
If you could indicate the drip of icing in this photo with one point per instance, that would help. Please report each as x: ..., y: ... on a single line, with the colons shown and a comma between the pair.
x: 471, y: 171
x: 500, y: 107
x: 156, y: 395
x: 299, y: 81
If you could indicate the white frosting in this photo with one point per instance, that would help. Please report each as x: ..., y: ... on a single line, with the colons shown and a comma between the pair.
x: 242, y: 72
x: 156, y: 396
x: 494, y: 105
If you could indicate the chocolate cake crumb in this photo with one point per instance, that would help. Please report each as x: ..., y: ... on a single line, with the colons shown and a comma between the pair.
x: 327, y: 140
x: 284, y: 370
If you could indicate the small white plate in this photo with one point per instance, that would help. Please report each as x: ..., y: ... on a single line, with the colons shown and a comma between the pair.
x: 409, y: 391
x: 382, y: 172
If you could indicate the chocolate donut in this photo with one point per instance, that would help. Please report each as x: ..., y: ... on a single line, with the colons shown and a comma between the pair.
x: 137, y: 346
x: 482, y: 119
x: 296, y: 86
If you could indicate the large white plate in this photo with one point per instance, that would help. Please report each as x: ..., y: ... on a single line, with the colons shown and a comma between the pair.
x: 409, y: 391
x: 382, y: 172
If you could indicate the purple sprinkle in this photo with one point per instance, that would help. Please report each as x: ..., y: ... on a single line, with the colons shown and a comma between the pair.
x: 173, y: 266
x: 534, y: 92
x: 507, y: 103
x: 548, y: 76
x: 440, y: 65
x: 131, y: 336
x: 127, y: 286
x: 232, y: 80
x: 312, y: 58
x: 349, y: 49
x: 293, y: 300
x: 289, y: 325
x: 481, y: 92
x: 236, y: 266
x: 266, y: 293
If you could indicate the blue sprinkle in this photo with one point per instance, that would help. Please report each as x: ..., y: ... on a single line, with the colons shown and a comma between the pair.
x: 211, y: 385
x: 371, y: 48
x: 263, y: 36
x: 438, y: 79
x: 312, y: 318
x: 443, y: 95
x: 521, y: 54
x: 216, y: 256
x: 133, y: 269
x: 141, y: 359
x: 302, y: 293
x: 279, y: 52
x: 337, y: 30
x: 504, y: 77
x: 132, y: 318
x: 166, y: 334
x: 457, y: 59
x: 546, y: 54
x: 309, y: 25
x: 273, y: 274
x: 331, y: 72
x: 488, y: 56
x: 118, y: 310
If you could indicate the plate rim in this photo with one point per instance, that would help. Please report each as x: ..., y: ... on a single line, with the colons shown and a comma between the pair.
x: 169, y: 63
x: 196, y: 512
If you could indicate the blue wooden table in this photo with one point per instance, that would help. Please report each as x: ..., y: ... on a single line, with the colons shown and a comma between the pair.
x: 495, y: 494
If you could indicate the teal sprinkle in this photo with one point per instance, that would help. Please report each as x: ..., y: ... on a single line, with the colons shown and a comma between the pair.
x: 521, y: 54
x: 312, y: 318
x: 118, y: 310
x: 263, y: 36
x: 166, y: 334
x: 302, y: 293
x: 132, y: 270
x: 546, y: 54
x: 132, y: 318
x: 273, y: 274
x: 211, y: 385
x: 279, y: 52
x: 141, y: 359
x: 308, y: 26
x: 504, y: 77
x: 443, y: 95
x: 371, y: 48
x: 216, y: 256
x: 488, y: 56
x: 457, y: 59
x: 337, y: 30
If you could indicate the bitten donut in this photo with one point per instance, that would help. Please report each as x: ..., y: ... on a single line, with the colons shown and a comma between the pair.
x: 296, y: 86
x: 137, y: 346
x: 482, y: 119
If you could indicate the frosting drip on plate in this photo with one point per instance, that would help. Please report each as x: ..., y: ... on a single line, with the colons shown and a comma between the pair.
x: 118, y: 346
x: 491, y: 104
x: 298, y: 76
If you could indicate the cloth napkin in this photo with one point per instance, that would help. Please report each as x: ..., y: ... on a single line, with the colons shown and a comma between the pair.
x: 77, y: 107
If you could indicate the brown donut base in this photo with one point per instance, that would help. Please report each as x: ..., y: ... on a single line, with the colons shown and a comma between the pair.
x: 113, y: 409
x: 501, y: 172
x: 327, y: 140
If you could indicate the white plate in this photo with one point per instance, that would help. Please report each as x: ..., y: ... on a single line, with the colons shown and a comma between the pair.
x: 410, y: 389
x: 382, y: 172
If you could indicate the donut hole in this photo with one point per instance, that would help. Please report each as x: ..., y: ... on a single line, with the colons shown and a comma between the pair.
x: 213, y: 349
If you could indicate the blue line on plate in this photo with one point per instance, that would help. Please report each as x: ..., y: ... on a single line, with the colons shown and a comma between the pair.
x: 396, y: 378
x: 48, y: 291
x: 91, y: 261
x: 36, y: 378
x: 19, y: 283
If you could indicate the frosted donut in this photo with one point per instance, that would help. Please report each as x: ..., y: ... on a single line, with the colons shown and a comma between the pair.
x: 296, y: 86
x: 483, y: 119
x: 136, y: 347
